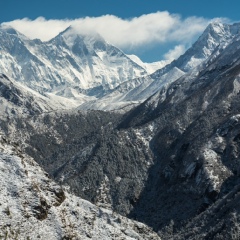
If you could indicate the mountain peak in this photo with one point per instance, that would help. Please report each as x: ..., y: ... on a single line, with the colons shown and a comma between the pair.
x: 216, y: 33
x: 218, y: 29
x: 216, y: 24
x: 9, y: 29
x: 72, y: 33
x: 12, y: 31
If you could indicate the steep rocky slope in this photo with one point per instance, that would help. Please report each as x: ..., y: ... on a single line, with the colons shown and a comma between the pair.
x: 34, y: 207
x: 220, y: 221
x: 87, y: 152
x: 197, y: 161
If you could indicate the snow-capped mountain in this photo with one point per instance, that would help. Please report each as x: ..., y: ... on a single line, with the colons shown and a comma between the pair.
x: 79, y: 63
x: 94, y: 74
x: 216, y: 36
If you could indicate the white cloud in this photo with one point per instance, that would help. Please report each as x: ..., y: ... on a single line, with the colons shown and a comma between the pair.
x: 148, y: 29
x: 175, y: 52
x: 40, y: 27
x: 136, y: 31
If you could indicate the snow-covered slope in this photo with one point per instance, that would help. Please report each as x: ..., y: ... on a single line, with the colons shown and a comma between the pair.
x: 149, y: 67
x: 216, y: 36
x: 34, y: 207
x: 19, y: 100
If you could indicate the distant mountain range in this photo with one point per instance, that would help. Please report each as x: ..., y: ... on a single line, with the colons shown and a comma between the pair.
x: 94, y: 73
x: 73, y: 66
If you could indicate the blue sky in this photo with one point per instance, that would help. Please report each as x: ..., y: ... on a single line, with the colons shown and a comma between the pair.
x: 132, y: 26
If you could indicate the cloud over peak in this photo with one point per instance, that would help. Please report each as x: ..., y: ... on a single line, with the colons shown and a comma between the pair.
x: 175, y: 52
x: 147, y: 29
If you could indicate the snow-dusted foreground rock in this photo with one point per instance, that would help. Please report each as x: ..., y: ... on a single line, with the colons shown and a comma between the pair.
x: 34, y: 207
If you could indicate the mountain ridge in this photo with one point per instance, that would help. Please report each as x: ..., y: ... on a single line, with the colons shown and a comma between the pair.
x: 215, y: 36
